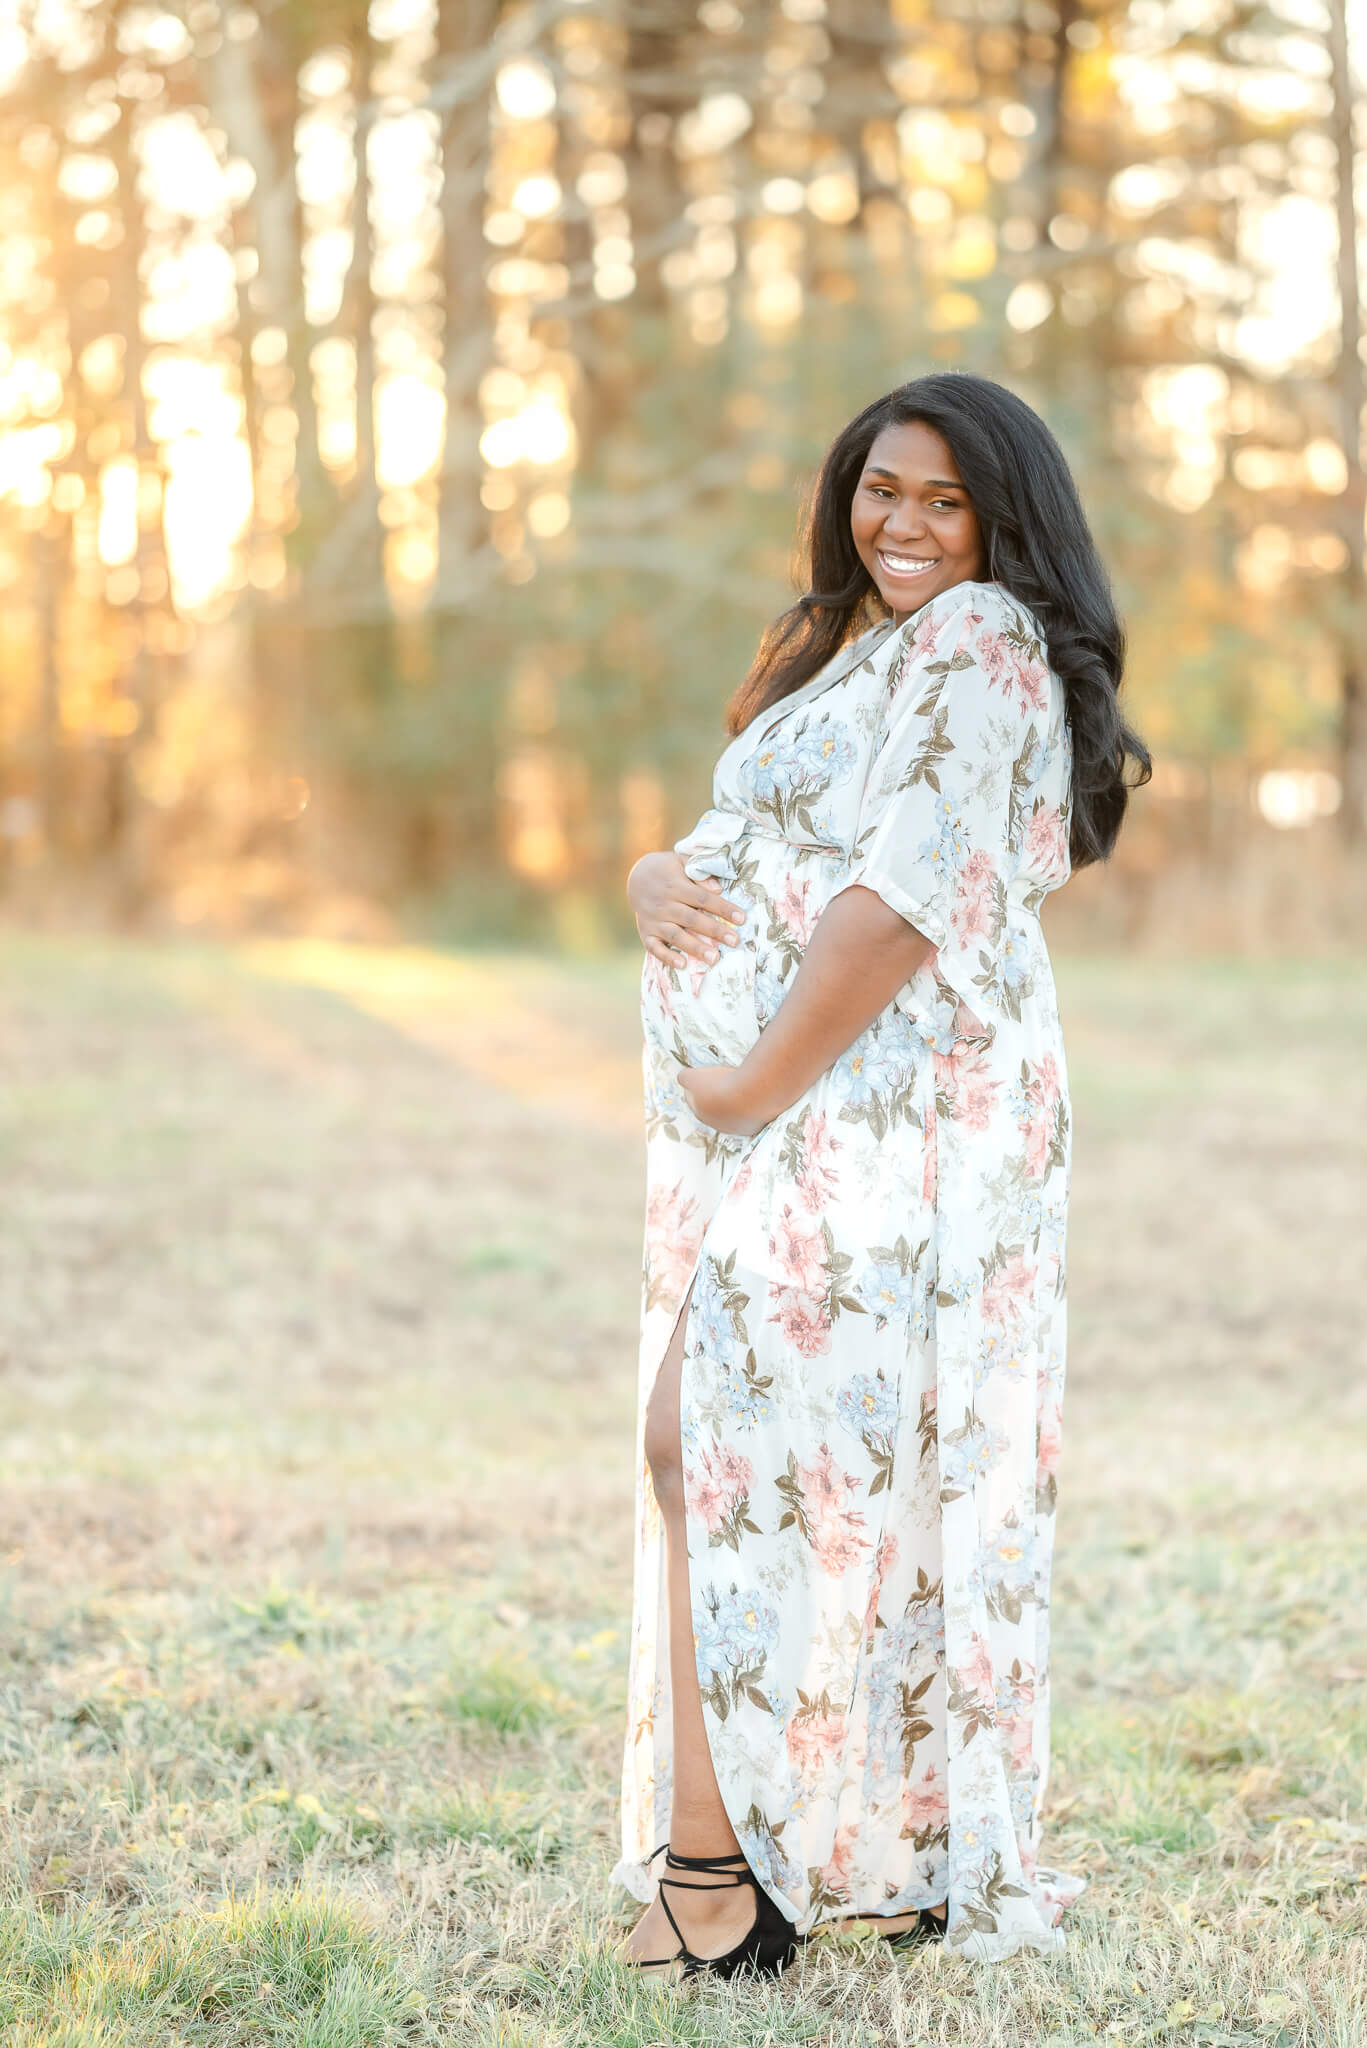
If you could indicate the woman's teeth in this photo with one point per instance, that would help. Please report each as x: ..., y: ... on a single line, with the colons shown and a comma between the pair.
x: 903, y: 565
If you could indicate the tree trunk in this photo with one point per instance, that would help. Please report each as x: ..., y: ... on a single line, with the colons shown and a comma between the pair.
x: 49, y: 557
x: 466, y: 337
x: 258, y: 105
x: 1349, y: 393
x: 136, y: 678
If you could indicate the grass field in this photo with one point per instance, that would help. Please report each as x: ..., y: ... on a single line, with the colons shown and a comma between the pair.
x: 320, y: 1273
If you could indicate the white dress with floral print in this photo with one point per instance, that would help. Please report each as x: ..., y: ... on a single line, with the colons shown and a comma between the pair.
x: 874, y: 1350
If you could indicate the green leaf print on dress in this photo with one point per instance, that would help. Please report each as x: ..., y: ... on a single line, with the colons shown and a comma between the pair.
x: 874, y: 1350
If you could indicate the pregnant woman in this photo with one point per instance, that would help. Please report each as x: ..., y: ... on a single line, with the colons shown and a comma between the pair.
x: 858, y: 1157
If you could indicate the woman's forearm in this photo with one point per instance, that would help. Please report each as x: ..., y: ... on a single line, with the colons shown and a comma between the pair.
x: 858, y: 957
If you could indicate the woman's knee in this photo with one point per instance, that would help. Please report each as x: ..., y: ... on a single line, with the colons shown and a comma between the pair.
x: 664, y: 1455
x: 663, y: 1451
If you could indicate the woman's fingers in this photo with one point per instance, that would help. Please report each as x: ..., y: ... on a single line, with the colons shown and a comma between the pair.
x: 700, y: 919
x: 698, y: 942
x: 711, y: 901
x: 722, y: 905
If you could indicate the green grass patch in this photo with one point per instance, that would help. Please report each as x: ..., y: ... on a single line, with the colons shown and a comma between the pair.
x: 290, y: 1967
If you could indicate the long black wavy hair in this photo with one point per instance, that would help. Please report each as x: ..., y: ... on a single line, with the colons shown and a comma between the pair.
x: 1037, y: 546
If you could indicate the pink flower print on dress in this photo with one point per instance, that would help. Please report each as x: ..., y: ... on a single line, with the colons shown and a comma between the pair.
x: 1038, y: 1135
x: 836, y: 1527
x: 805, y: 1323
x: 672, y: 1234
x: 696, y: 970
x: 972, y: 915
x: 795, y: 909
x: 840, y: 1544
x: 1043, y: 1090
x: 1009, y: 669
x: 1009, y: 1292
x: 917, y: 643
x: 883, y: 1564
x: 924, y: 633
x: 798, y: 1252
x: 1045, y: 845
x: 813, y: 1740
x: 1019, y: 1730
x: 817, y: 1175
x: 1047, y: 1080
x: 925, y: 1804
x: 976, y: 1676
x: 837, y: 1873
x: 1050, y: 1448
x: 965, y: 1078
x: 656, y: 981
x: 824, y: 1485
x: 720, y: 1481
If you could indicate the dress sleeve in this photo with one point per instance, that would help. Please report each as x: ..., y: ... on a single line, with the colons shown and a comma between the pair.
x: 940, y: 823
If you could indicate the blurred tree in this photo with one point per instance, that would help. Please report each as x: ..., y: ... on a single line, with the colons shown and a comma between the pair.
x: 406, y: 403
x: 1351, y: 625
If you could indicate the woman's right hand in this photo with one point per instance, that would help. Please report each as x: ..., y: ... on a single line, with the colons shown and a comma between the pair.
x: 677, y: 916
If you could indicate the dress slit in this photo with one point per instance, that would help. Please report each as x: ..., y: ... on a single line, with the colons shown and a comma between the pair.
x: 663, y: 1655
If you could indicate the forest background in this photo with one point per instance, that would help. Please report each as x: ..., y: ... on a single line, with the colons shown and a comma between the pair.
x: 405, y: 412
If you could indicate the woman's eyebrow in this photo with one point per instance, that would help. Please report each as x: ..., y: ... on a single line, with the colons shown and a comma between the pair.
x: 937, y: 483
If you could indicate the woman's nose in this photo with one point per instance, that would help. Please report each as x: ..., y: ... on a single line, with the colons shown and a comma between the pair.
x: 904, y: 523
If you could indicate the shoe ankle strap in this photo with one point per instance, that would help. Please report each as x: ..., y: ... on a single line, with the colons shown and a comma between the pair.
x: 722, y: 1865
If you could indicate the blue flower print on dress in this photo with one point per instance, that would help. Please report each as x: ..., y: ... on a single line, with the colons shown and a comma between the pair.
x: 826, y: 752
x: 867, y: 1406
x: 868, y: 1070
x: 890, y: 1294
x: 738, y: 1631
x: 901, y: 1047
x: 1007, y: 1566
x: 785, y: 776
x: 665, y: 1100
x: 968, y: 1455
x: 937, y: 1021
x: 713, y: 1324
x: 974, y: 1845
x: 1000, y: 1363
x: 745, y: 1398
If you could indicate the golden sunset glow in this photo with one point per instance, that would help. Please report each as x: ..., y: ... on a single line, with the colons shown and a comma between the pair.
x: 195, y: 415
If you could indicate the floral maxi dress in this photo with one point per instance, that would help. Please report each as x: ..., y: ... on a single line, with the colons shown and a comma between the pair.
x: 874, y: 1347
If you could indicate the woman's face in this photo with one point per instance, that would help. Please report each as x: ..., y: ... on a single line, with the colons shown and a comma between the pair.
x: 913, y: 525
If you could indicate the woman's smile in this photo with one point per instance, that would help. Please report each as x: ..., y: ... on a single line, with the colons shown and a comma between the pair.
x: 905, y: 566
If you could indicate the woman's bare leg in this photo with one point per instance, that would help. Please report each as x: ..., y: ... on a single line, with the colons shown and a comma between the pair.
x: 716, y: 1918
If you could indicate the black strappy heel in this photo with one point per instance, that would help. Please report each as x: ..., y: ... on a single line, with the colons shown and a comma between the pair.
x: 927, y: 1926
x: 765, y: 1949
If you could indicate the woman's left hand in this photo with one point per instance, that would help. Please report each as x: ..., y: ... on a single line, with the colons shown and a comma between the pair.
x: 722, y: 1097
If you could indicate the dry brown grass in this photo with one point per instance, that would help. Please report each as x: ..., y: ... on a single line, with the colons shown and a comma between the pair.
x: 321, y: 1270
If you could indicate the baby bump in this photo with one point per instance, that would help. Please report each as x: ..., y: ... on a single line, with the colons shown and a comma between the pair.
x: 702, y: 1013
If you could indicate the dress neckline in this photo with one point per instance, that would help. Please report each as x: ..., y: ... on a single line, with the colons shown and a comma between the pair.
x: 846, y: 659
